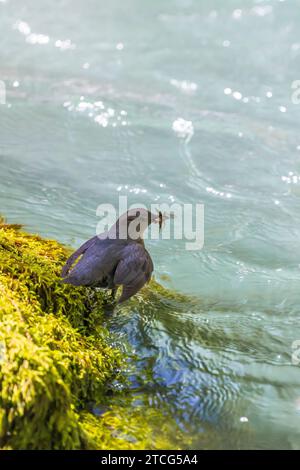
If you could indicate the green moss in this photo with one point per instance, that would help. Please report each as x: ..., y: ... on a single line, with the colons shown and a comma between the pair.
x: 131, y: 428
x: 55, y: 359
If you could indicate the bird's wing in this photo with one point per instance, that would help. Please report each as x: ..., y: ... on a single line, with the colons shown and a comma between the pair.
x: 97, y: 265
x: 76, y: 254
x: 133, y: 271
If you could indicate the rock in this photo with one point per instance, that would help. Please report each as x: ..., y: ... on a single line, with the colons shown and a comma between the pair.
x: 55, y: 359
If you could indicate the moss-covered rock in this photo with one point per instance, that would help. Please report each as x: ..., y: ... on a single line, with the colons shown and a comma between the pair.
x: 55, y: 359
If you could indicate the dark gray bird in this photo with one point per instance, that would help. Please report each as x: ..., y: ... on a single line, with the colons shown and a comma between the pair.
x: 115, y: 258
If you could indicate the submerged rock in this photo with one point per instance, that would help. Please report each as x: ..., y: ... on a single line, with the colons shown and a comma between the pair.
x: 55, y: 358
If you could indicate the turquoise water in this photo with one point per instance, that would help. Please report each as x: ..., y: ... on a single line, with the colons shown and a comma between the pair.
x: 93, y: 94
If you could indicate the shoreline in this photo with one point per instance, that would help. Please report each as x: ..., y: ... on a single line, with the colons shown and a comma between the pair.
x: 56, y: 360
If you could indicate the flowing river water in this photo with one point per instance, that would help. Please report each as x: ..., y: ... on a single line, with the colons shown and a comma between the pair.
x: 173, y: 101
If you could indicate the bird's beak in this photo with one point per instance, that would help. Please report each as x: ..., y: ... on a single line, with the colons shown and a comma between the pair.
x: 160, y: 218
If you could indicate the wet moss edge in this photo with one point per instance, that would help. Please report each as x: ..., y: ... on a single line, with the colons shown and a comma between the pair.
x: 55, y: 358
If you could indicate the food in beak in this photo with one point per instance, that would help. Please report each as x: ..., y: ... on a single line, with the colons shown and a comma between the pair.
x: 162, y: 217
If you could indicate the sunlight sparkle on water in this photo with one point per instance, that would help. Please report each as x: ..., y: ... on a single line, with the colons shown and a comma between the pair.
x: 215, y: 192
x: 184, y: 85
x: 226, y: 43
x: 237, y: 14
x: 184, y: 129
x: 237, y: 95
x: 22, y: 27
x: 244, y: 419
x: 291, y: 178
x: 31, y: 38
x: 97, y: 111
x: 64, y: 44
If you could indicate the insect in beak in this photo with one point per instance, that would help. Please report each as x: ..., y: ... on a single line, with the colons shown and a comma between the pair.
x: 162, y: 217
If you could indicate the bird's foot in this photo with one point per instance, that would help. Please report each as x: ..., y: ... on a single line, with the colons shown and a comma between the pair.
x: 110, y: 303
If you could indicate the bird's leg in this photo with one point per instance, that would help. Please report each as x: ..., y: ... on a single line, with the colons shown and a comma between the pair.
x: 113, y: 293
x: 110, y: 303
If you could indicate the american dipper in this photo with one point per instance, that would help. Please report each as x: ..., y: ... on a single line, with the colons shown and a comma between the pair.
x: 117, y: 257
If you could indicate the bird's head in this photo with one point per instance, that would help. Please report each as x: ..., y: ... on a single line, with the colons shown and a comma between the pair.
x: 133, y: 223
